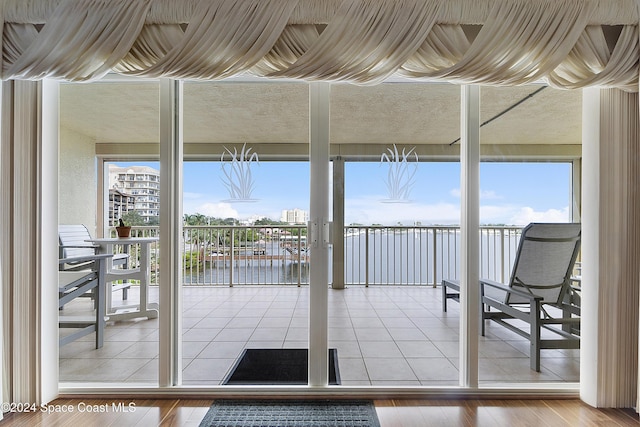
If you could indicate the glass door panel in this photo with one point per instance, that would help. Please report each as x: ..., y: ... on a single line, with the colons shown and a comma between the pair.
x: 401, y: 174
x: 245, y: 247
x: 530, y: 145
x: 109, y: 120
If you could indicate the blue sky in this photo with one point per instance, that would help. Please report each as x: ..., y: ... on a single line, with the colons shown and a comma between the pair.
x: 511, y: 193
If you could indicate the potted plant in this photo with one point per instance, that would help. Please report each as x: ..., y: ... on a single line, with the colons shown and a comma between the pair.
x: 123, y: 231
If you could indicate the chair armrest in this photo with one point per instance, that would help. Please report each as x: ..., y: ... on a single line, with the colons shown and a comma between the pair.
x: 451, y: 283
x: 84, y: 258
x: 508, y: 289
x: 79, y: 246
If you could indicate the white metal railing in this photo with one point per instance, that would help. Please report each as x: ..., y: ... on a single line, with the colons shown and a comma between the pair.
x: 249, y: 255
x: 379, y: 255
x: 374, y: 255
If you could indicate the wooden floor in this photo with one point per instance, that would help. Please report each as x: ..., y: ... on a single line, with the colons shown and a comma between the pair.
x: 392, y: 413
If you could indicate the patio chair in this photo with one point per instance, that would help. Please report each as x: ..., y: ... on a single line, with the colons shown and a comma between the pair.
x: 539, y: 297
x: 73, y: 284
x: 73, y: 243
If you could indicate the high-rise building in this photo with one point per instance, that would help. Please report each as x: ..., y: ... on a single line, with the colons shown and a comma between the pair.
x: 142, y: 183
x: 294, y: 216
x: 119, y: 204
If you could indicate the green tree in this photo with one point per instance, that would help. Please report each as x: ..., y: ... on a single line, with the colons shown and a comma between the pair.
x: 269, y: 221
x: 196, y: 219
x: 191, y: 260
x: 229, y: 221
x: 133, y: 218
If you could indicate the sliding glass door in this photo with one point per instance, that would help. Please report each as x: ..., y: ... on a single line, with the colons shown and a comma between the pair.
x: 398, y: 151
x: 317, y: 218
x: 108, y: 172
x: 528, y: 176
x: 245, y: 247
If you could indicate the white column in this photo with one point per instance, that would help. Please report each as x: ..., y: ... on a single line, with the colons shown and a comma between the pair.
x: 3, y: 373
x: 319, y: 233
x: 470, y: 234
x: 48, y: 219
x: 590, y: 241
x: 171, y: 156
x: 610, y: 248
x: 576, y: 190
x: 338, y: 224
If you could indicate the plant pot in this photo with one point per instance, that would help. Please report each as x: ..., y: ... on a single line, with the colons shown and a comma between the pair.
x: 123, y: 232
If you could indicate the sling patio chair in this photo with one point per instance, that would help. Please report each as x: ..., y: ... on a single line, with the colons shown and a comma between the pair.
x: 73, y: 284
x: 73, y: 241
x: 539, y: 298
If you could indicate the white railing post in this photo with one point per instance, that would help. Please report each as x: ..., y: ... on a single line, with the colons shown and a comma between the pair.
x: 502, y: 253
x: 366, y: 257
x: 300, y: 256
x: 231, y: 262
x: 435, y: 256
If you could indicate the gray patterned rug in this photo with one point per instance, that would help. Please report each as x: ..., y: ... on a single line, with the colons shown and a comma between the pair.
x: 291, y: 413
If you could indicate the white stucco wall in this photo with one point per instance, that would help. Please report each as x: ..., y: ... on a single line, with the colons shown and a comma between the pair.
x: 77, y: 180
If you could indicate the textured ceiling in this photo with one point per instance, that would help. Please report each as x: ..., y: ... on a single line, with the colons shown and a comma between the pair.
x: 257, y: 112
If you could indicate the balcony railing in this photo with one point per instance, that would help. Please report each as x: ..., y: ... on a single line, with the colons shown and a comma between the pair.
x: 374, y: 255
x: 422, y: 255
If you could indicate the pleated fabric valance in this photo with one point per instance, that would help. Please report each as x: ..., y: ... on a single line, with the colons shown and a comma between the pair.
x: 567, y: 43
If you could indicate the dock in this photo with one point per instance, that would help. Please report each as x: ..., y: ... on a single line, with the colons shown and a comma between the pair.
x: 249, y: 258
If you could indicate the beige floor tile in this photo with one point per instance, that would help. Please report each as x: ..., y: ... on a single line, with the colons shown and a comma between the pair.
x: 207, y: 371
x: 372, y: 334
x: 236, y: 334
x: 372, y: 349
x: 391, y: 336
x: 433, y: 369
x: 222, y: 350
x: 202, y: 334
x: 419, y: 349
x: 389, y: 369
x: 352, y: 369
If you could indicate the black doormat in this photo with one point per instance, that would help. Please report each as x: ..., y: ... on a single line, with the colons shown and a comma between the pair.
x: 276, y: 366
x: 291, y: 413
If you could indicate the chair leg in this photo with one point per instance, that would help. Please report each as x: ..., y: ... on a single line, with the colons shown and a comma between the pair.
x: 534, y: 337
x: 566, y: 326
x: 100, y: 308
x: 444, y: 297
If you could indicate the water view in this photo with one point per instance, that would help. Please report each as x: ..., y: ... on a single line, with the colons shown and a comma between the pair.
x: 373, y: 256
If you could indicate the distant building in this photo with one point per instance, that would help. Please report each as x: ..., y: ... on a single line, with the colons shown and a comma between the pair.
x: 119, y: 204
x: 140, y: 182
x: 252, y: 219
x: 294, y: 216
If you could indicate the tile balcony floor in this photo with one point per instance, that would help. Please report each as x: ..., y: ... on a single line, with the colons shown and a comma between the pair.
x: 385, y: 336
